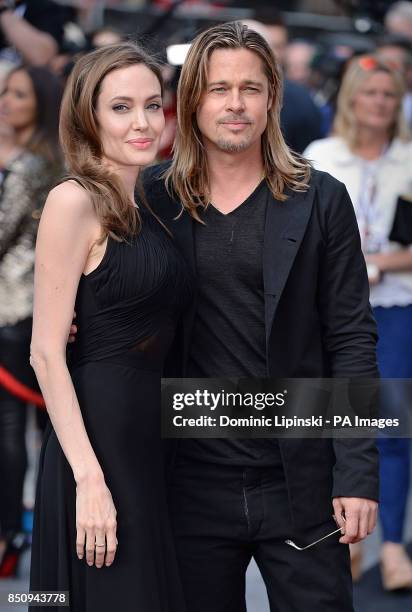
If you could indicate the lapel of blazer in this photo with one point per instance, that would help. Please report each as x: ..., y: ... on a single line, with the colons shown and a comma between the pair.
x: 285, y: 227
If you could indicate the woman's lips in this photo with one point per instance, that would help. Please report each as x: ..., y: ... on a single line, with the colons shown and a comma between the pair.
x: 141, y: 144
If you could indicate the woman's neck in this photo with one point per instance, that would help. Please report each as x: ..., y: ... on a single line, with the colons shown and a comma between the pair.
x: 9, y: 148
x: 24, y: 136
x: 370, y: 144
x: 128, y: 176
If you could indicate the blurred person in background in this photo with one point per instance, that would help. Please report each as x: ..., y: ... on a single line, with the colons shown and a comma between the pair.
x: 31, y: 30
x: 315, y: 69
x: 396, y: 50
x: 334, y: 51
x: 398, y: 19
x: 30, y: 163
x: 298, y: 59
x: 324, y: 80
x: 75, y: 43
x: 278, y: 36
x: 371, y: 154
x: 105, y: 36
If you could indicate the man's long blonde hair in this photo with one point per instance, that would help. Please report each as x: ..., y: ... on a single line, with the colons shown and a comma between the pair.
x: 187, y: 178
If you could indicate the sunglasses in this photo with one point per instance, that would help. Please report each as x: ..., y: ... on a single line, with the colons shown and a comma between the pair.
x: 369, y: 62
x: 293, y: 545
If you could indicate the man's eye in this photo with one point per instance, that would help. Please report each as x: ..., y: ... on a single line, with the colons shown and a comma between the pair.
x: 120, y: 107
x: 218, y: 89
x: 251, y: 88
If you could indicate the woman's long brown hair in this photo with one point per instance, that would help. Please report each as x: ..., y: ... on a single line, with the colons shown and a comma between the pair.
x: 80, y: 140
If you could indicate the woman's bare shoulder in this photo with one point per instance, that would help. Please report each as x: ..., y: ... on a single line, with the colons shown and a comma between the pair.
x: 70, y: 199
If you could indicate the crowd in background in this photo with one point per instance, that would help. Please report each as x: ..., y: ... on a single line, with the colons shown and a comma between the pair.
x: 347, y: 107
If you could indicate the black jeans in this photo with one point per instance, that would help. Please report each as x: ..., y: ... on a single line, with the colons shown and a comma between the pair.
x: 222, y: 516
x: 14, y: 356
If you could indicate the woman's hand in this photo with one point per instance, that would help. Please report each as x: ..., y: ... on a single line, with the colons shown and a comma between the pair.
x: 95, y: 522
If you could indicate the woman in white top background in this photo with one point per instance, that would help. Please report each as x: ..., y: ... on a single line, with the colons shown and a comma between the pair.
x: 370, y: 152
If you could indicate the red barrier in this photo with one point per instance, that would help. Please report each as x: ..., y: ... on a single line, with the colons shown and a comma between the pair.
x: 15, y: 387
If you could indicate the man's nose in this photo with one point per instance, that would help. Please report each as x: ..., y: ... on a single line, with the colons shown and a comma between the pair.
x: 235, y: 102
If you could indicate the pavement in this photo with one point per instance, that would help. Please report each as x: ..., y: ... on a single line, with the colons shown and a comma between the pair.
x: 369, y: 595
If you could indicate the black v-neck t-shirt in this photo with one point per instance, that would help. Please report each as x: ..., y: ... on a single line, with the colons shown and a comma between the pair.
x: 228, y: 338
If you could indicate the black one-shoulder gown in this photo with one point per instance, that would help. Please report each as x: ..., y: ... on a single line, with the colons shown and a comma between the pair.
x: 127, y: 310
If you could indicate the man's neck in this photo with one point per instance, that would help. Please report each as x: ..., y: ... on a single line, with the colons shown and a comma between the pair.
x: 233, y: 176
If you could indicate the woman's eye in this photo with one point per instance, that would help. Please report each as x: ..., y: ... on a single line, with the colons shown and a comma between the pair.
x: 120, y: 107
x: 154, y: 106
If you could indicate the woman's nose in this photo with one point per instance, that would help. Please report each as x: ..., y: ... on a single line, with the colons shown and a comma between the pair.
x: 140, y: 121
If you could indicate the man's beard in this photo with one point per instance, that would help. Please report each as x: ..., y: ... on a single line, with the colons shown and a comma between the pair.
x: 232, y: 147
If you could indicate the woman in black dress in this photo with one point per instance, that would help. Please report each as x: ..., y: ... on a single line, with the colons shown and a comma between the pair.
x: 101, y: 529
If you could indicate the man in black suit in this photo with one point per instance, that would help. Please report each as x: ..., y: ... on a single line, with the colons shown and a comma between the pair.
x: 282, y: 292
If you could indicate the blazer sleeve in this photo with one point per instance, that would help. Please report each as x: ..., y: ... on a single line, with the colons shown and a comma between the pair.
x: 349, y: 333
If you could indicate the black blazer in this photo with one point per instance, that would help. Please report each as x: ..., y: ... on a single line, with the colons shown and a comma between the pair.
x: 318, y: 324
